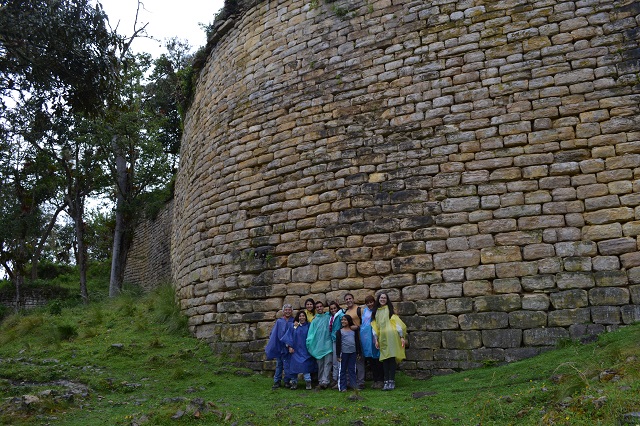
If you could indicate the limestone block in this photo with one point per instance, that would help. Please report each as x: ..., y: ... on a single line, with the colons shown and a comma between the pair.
x: 461, y: 339
x: 577, y: 263
x: 541, y: 222
x: 445, y: 290
x: 430, y: 277
x: 502, y: 338
x: 576, y: 248
x: 354, y: 254
x: 480, y: 272
x: 538, y: 282
x: 272, y: 304
x: 412, y: 264
x: 544, y: 336
x: 569, y: 280
x: 501, y: 254
x: 497, y: 226
x: 374, y: 267
x: 518, y: 238
x: 398, y: 281
x: 298, y: 289
x: 617, y: 246
x: 535, y: 302
x: 459, y: 305
x: 630, y: 314
x: 442, y: 322
x: 415, y: 293
x: 306, y: 274
x: 538, y: 251
x: 570, y: 299
x: 332, y: 271
x: 516, y: 269
x: 236, y: 333
x: 620, y: 214
x: 605, y: 315
x: 527, y: 319
x: 630, y: 260
x: 321, y: 257
x: 567, y: 317
x: 609, y: 296
x: 431, y: 307
x: 606, y: 263
x: 499, y: 303
x: 459, y: 259
x: 425, y: 340
x: 611, y: 278
x: 507, y: 285
x: 483, y: 320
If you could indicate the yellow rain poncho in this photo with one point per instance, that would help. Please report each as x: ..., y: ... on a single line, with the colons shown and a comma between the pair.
x: 388, y: 332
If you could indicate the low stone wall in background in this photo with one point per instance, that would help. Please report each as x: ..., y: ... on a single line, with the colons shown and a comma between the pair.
x: 149, y: 259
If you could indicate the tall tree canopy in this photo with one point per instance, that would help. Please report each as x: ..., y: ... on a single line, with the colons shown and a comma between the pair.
x: 61, y: 46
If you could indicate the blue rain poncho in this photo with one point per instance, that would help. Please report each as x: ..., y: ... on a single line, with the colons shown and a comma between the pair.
x: 367, y: 342
x: 301, y: 360
x: 275, y: 348
x: 319, y: 343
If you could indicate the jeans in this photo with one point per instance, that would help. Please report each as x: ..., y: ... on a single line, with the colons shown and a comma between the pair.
x: 347, y: 366
x: 282, y: 367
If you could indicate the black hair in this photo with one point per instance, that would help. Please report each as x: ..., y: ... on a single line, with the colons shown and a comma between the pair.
x: 348, y: 318
x: 313, y: 310
x: 297, y: 317
x: 377, y: 305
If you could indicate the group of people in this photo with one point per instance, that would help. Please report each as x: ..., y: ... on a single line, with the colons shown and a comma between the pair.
x: 338, y: 345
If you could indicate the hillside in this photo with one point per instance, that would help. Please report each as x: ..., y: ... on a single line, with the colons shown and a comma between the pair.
x: 129, y: 362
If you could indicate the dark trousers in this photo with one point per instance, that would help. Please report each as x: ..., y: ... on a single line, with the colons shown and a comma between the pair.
x: 347, y: 366
x: 389, y: 368
x: 375, y: 366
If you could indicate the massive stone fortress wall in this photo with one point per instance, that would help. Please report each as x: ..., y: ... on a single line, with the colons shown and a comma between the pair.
x: 478, y: 160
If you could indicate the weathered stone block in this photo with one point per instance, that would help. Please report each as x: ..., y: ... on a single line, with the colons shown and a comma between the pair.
x: 416, y: 263
x: 456, y: 259
x: 483, y: 320
x: 538, y: 282
x: 566, y: 317
x: 500, y: 303
x: 516, y: 269
x: 502, y: 338
x: 617, y: 246
x: 527, y: 319
x: 397, y: 281
x: 236, y: 333
x: 544, y: 336
x: 431, y: 307
x: 415, y: 292
x: 611, y: 278
x: 567, y: 280
x: 608, y: 296
x: 425, y: 340
x: 461, y: 339
x: 459, y: 305
x: 476, y: 288
x: 570, y: 299
x: 500, y: 254
x: 332, y: 271
x: 507, y: 285
x: 535, y: 302
x: 445, y: 290
x: 630, y: 314
x: 442, y: 322
x: 605, y: 314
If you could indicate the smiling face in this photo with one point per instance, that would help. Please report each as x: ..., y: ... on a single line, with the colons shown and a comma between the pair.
x: 302, y: 318
x: 383, y: 299
x: 288, y: 311
x: 370, y: 304
x: 309, y: 305
x: 333, y: 308
x: 319, y: 308
x: 348, y: 299
x: 344, y: 322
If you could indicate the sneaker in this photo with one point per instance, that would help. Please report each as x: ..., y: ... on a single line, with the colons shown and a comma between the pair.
x: 276, y: 385
x: 361, y: 387
x: 386, y: 386
x: 287, y: 385
x: 294, y: 386
x: 308, y: 385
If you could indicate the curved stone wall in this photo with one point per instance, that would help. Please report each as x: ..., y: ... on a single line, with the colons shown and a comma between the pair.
x: 478, y: 160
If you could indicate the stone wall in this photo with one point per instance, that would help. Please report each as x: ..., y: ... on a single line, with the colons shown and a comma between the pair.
x: 149, y: 259
x: 478, y: 160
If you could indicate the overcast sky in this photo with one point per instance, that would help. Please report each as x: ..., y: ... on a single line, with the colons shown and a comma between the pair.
x: 166, y: 18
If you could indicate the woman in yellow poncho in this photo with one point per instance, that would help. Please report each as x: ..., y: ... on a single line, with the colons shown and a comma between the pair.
x: 389, y: 333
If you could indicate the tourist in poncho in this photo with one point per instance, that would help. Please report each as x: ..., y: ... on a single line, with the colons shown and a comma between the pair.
x: 369, y: 350
x: 355, y: 312
x: 277, y: 350
x: 319, y: 344
x: 389, y: 333
x: 301, y: 362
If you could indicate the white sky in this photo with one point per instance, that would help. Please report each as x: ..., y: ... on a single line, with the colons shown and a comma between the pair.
x: 166, y: 18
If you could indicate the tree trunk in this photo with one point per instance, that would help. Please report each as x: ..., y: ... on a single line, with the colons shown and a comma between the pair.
x: 43, y: 240
x: 76, y: 208
x: 120, y: 238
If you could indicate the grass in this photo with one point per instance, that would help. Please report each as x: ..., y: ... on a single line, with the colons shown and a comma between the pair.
x: 129, y: 361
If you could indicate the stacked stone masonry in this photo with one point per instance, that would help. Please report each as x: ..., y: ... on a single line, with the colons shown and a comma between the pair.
x: 149, y: 260
x: 477, y: 160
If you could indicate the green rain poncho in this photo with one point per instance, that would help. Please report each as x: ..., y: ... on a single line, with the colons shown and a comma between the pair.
x: 319, y: 342
x: 388, y: 331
